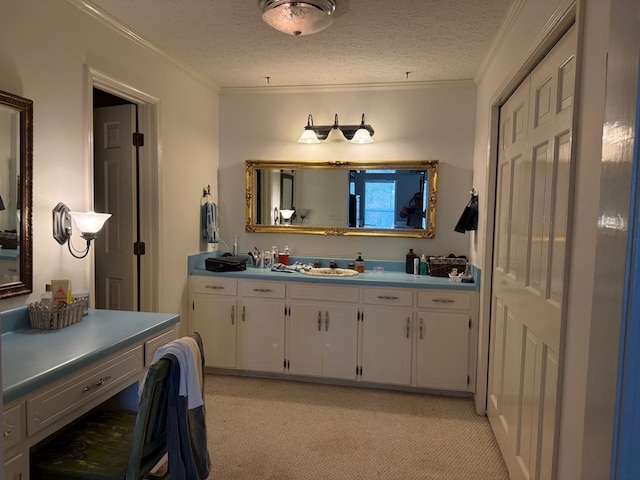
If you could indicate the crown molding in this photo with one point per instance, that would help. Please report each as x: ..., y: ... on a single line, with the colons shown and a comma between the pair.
x: 347, y: 88
x: 93, y: 11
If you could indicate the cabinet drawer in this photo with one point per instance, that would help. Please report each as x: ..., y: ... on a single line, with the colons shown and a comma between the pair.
x: 444, y: 299
x: 301, y: 291
x: 12, y: 426
x: 263, y: 289
x: 388, y: 296
x: 150, y: 346
x: 70, y: 393
x: 218, y: 286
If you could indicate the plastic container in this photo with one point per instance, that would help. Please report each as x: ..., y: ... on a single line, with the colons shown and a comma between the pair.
x: 283, y: 258
x: 423, y: 264
x: 410, y: 257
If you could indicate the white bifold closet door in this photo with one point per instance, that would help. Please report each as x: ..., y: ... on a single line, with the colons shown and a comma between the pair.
x: 528, y: 284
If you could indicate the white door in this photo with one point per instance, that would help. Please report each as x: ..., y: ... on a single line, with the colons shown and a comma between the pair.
x: 114, y: 177
x: 533, y: 207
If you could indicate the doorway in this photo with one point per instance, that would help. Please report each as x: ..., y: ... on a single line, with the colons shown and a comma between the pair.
x: 125, y: 183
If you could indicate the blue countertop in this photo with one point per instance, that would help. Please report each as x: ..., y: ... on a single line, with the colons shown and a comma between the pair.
x: 392, y: 276
x: 34, y: 358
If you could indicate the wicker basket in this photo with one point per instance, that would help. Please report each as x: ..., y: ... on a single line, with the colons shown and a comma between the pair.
x: 442, y: 266
x: 44, y: 317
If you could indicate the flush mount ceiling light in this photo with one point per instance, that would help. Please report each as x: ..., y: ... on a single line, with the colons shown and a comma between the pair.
x: 336, y: 133
x: 298, y: 18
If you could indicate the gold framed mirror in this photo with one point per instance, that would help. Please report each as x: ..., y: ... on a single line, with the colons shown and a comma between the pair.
x: 381, y: 198
x: 16, y: 160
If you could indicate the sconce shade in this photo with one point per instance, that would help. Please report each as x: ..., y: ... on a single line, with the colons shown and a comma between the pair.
x: 336, y: 135
x: 362, y: 135
x: 308, y: 134
x: 298, y: 18
x: 287, y: 214
x: 89, y: 223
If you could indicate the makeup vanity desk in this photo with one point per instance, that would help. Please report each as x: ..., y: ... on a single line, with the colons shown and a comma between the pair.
x: 52, y: 377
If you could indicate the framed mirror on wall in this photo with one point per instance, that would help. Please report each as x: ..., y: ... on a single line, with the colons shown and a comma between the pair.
x: 16, y: 177
x: 383, y: 198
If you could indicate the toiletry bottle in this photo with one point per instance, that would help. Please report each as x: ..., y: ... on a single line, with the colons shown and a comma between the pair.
x: 284, y: 256
x: 423, y: 264
x: 410, y: 257
x: 360, y: 263
x: 235, y: 246
x: 274, y: 255
x: 416, y: 265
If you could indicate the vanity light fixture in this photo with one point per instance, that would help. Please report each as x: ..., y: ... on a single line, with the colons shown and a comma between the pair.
x: 298, y: 18
x: 359, y: 134
x: 89, y: 224
x: 287, y: 215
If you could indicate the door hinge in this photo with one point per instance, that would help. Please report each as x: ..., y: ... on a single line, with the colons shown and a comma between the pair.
x: 193, y: 305
x: 138, y: 139
x: 358, y: 370
x: 469, y: 323
x: 139, y: 248
x: 468, y: 379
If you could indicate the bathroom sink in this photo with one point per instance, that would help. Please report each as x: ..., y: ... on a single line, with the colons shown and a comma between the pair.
x: 330, y: 272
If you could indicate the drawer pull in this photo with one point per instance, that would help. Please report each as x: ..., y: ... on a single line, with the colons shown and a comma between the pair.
x: 6, y: 433
x: 244, y: 313
x: 421, y: 329
x: 388, y: 297
x: 263, y: 290
x: 99, y: 383
x: 319, y: 320
x: 326, y: 321
x: 408, y: 327
x: 443, y: 300
x: 233, y: 314
x: 214, y: 287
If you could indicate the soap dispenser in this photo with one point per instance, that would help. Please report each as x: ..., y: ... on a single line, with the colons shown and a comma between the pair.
x: 360, y: 263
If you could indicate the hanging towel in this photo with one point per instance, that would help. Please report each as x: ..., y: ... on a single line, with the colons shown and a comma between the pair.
x: 209, y: 221
x: 469, y: 218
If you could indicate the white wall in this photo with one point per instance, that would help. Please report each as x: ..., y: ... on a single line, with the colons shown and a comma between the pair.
x: 410, y: 124
x: 45, y: 49
x: 576, y: 429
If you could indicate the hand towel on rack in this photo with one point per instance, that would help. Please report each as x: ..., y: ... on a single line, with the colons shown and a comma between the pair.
x: 209, y: 222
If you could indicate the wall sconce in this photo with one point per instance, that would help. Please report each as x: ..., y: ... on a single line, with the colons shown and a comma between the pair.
x: 336, y: 133
x: 287, y: 215
x: 89, y: 224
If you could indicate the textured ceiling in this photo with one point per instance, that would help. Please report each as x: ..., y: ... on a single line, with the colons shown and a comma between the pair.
x: 370, y: 41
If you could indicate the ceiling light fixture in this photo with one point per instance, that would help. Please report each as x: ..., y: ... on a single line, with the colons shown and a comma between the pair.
x: 89, y: 224
x: 336, y: 133
x: 298, y: 18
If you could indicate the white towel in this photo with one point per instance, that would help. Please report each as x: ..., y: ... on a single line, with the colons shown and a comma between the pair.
x: 190, y: 368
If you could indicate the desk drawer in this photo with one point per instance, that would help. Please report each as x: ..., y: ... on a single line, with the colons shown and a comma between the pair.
x: 214, y: 286
x: 262, y: 289
x: 444, y: 299
x: 402, y: 297
x: 12, y: 426
x: 150, y: 346
x: 71, y: 392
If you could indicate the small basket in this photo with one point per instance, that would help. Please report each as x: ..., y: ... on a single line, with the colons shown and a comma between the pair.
x: 442, y: 266
x: 44, y: 317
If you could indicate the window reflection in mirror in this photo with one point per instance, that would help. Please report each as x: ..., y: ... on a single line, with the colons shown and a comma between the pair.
x: 342, y: 198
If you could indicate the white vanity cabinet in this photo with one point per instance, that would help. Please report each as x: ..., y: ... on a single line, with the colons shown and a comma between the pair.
x: 387, y: 335
x: 322, y: 331
x: 260, y: 341
x: 214, y: 315
x: 443, y: 347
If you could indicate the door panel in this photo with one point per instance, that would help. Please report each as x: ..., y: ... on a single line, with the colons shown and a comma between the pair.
x: 533, y: 210
x: 115, y: 193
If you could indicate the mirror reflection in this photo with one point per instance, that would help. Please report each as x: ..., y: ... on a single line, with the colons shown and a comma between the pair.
x: 15, y: 194
x: 342, y: 198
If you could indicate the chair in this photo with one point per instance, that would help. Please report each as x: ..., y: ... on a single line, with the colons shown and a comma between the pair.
x: 109, y: 444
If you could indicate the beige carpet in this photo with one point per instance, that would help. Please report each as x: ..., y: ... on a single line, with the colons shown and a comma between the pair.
x: 286, y: 430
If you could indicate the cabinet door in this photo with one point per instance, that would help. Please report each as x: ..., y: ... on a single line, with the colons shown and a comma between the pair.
x: 386, y: 345
x: 340, y: 341
x: 261, y: 335
x: 443, y: 350
x: 304, y: 350
x: 16, y: 468
x: 214, y: 318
